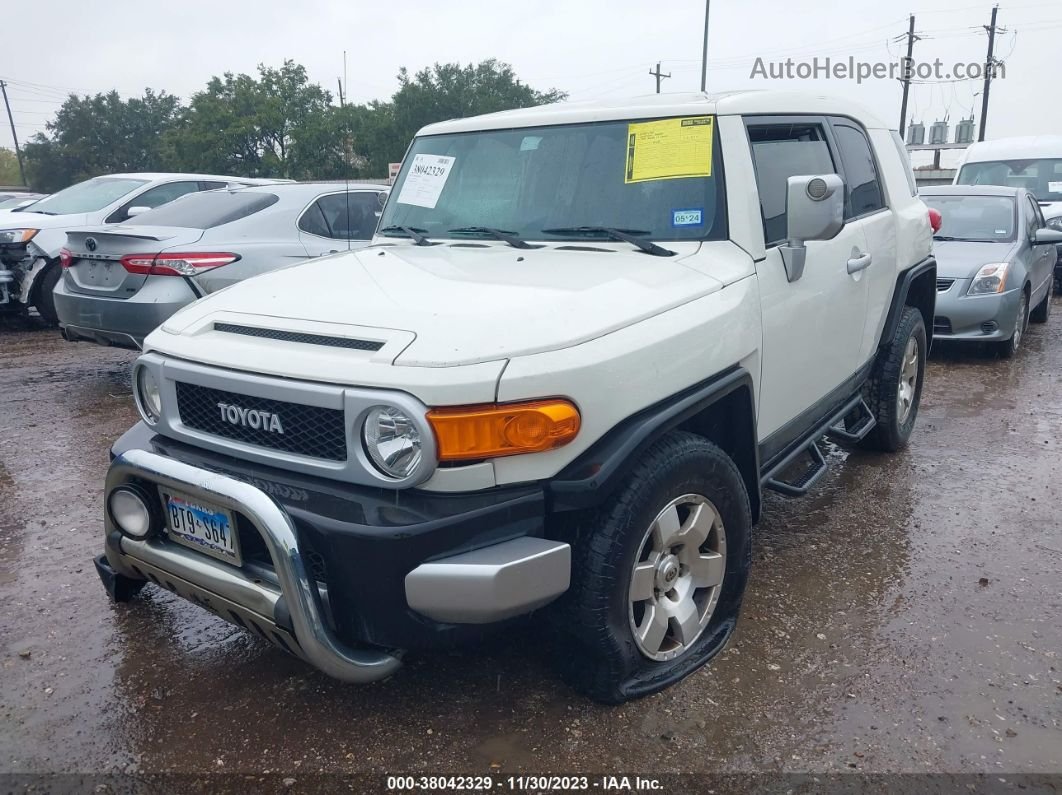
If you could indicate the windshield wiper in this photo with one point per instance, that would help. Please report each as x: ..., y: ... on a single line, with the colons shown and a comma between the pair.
x: 944, y: 237
x: 410, y: 231
x: 500, y: 234
x: 39, y: 212
x: 623, y: 235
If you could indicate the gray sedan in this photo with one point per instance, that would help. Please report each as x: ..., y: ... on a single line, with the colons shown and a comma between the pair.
x: 995, y: 262
x: 120, y: 282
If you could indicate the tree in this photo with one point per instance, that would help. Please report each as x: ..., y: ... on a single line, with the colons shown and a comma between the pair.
x: 451, y: 91
x: 100, y: 135
x: 246, y: 126
x: 9, y: 173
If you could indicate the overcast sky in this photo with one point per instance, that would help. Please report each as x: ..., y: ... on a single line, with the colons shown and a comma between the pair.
x: 589, y: 48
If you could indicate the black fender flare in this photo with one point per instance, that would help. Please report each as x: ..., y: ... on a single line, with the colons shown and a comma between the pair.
x: 589, y: 479
x: 927, y: 268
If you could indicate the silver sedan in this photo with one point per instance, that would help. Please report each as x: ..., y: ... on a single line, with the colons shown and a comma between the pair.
x: 995, y: 263
x: 121, y: 282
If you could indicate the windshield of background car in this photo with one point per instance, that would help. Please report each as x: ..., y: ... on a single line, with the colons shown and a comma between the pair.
x: 87, y: 197
x: 1042, y: 178
x: 660, y: 178
x: 981, y: 218
x: 207, y: 209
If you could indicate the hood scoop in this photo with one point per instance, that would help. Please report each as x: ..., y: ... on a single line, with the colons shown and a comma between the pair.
x: 350, y: 343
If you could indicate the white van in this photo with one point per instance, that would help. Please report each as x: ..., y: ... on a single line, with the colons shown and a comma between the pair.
x: 1033, y: 162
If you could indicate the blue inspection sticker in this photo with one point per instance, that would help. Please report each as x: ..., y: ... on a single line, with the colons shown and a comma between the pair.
x: 690, y: 216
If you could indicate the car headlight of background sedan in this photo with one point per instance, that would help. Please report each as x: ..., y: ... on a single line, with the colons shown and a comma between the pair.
x: 392, y: 440
x: 148, y: 395
x: 15, y: 236
x: 991, y: 278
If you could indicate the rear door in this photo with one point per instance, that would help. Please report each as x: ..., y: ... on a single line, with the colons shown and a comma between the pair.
x: 812, y: 327
x: 867, y: 210
x: 340, y: 221
x: 96, y: 268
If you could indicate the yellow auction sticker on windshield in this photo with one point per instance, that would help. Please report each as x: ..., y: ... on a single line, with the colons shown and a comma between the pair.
x: 669, y: 149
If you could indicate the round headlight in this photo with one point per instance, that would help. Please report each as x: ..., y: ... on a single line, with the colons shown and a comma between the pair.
x: 392, y: 440
x: 130, y: 512
x: 149, y: 398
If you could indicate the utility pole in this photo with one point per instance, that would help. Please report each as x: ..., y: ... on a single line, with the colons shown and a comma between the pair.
x: 704, y: 52
x: 908, y: 68
x: 659, y: 76
x: 340, y: 82
x: 990, y: 70
x: 14, y: 135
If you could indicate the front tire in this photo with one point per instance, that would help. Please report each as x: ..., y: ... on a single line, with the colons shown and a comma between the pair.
x: 1008, y: 349
x: 45, y: 301
x: 658, y: 573
x: 894, y: 390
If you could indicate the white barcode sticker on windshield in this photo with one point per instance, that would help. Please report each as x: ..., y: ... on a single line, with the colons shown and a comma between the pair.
x: 425, y: 181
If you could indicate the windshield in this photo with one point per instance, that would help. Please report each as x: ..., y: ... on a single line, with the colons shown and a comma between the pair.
x: 652, y: 179
x: 979, y: 218
x: 87, y: 197
x: 1042, y: 178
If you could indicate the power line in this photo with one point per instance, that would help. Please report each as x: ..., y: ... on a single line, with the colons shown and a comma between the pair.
x: 14, y: 135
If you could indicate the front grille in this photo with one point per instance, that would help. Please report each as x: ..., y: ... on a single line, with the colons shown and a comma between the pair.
x: 941, y: 325
x: 307, y: 430
x: 294, y: 336
x: 944, y: 284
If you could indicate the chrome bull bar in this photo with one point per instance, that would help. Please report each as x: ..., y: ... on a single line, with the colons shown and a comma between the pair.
x: 318, y: 644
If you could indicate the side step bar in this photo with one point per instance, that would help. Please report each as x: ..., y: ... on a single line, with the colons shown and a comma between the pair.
x: 848, y: 425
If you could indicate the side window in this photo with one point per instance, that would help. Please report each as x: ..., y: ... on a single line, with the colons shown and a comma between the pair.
x: 351, y: 216
x: 154, y: 197
x: 1032, y: 210
x: 313, y: 221
x: 780, y: 151
x: 212, y: 185
x: 861, y: 173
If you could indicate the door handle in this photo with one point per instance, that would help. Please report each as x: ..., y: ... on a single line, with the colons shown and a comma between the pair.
x: 862, y: 262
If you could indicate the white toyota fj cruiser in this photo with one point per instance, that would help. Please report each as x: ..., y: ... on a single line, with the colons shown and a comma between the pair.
x: 584, y: 340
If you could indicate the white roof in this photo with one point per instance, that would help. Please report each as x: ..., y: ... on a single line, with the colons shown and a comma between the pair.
x: 154, y: 176
x: 651, y: 106
x: 1023, y: 147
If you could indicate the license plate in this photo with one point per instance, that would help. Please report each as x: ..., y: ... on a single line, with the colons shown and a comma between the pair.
x: 202, y: 526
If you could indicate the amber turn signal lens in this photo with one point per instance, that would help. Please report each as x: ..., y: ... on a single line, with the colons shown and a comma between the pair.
x: 475, y: 432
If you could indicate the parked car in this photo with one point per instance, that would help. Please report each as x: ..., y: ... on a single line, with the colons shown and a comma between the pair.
x: 1030, y: 162
x: 19, y: 200
x: 31, y: 238
x: 995, y: 261
x: 119, y: 282
x: 585, y: 339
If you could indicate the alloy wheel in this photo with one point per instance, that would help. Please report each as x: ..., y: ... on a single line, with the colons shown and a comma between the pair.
x: 908, y: 381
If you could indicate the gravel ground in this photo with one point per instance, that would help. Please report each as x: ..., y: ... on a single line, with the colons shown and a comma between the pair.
x: 903, y: 618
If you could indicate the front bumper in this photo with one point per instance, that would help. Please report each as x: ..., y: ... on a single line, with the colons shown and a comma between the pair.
x: 122, y: 322
x: 341, y: 575
x: 977, y: 318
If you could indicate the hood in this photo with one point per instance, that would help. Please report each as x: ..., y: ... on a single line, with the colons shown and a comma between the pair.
x: 52, y: 236
x: 465, y: 303
x: 959, y: 259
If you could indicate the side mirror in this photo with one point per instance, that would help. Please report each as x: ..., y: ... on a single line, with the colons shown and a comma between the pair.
x: 814, y: 211
x: 136, y: 211
x: 1045, y: 235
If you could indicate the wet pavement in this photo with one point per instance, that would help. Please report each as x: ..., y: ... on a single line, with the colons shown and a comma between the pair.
x: 903, y: 618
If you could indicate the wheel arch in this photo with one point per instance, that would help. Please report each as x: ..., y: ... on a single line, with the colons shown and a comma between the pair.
x: 916, y: 287
x: 721, y: 410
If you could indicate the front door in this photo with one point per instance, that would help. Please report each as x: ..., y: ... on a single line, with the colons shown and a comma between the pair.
x: 813, y: 326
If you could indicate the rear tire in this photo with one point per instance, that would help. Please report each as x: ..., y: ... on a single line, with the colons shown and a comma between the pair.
x: 1042, y: 311
x: 894, y: 390
x: 45, y: 301
x: 652, y: 598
